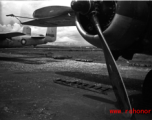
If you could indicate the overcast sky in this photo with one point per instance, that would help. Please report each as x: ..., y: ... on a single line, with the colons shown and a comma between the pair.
x: 65, y: 35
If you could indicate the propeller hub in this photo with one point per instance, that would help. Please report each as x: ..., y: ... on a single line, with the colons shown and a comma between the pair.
x: 85, y: 9
x: 80, y: 6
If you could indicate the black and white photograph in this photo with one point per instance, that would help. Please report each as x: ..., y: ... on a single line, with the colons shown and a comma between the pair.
x: 75, y: 60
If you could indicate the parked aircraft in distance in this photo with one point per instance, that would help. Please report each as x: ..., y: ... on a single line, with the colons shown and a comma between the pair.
x: 120, y: 28
x: 17, y: 39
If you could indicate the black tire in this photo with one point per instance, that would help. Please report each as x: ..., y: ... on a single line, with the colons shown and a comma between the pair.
x: 147, y: 89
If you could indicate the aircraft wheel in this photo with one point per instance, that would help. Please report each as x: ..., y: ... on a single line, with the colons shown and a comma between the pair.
x: 34, y: 46
x: 147, y: 90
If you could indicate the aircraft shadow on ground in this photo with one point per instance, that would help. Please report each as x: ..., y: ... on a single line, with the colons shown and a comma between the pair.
x: 135, y: 100
x: 132, y: 84
x: 24, y: 60
x: 106, y: 100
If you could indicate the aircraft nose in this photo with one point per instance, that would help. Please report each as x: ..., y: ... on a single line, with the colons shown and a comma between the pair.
x: 81, y: 6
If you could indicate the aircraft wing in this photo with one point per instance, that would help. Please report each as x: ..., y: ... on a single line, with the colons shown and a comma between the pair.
x: 11, y: 34
x: 67, y: 19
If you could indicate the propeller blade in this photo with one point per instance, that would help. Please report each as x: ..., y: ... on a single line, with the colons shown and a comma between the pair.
x: 115, y: 77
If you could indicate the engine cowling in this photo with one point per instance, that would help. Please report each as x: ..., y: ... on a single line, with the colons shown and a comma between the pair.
x: 123, y: 23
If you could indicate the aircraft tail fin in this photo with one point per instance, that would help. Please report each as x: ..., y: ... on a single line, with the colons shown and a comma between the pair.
x: 51, y: 34
x: 27, y: 30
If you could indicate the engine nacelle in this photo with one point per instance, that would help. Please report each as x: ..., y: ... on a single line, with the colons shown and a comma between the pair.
x: 123, y: 23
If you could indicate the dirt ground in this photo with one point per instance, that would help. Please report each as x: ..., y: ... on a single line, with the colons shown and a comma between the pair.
x: 28, y: 90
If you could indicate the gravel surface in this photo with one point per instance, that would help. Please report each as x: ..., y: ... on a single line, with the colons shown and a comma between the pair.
x: 29, y: 93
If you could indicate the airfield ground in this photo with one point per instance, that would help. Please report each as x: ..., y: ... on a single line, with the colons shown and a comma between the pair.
x: 28, y: 90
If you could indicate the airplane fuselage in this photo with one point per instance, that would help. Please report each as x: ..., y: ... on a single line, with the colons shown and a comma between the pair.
x: 21, y: 41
